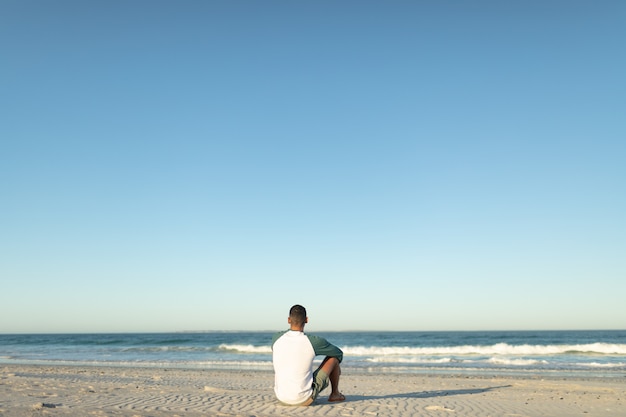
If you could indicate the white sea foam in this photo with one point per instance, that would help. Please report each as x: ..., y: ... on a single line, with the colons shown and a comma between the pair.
x: 418, y: 360
x: 246, y: 348
x: 502, y: 349
x: 602, y: 365
x: 496, y: 349
x: 235, y: 364
x: 516, y: 362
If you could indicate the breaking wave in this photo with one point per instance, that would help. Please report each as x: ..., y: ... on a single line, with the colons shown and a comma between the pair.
x: 496, y: 349
x: 245, y: 348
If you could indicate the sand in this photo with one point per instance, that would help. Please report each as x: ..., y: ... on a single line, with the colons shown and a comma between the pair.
x: 103, y: 391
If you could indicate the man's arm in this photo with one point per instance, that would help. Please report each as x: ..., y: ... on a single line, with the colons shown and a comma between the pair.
x: 277, y: 336
x: 321, y: 346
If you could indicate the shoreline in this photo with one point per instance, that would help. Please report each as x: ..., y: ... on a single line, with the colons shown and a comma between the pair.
x: 601, y: 374
x: 65, y: 390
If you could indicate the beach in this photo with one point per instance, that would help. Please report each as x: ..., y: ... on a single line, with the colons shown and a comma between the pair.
x: 34, y: 390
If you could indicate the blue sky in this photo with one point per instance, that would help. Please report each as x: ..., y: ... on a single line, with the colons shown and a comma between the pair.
x: 417, y: 165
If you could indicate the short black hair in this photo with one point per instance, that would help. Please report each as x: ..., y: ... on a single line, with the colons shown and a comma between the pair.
x: 297, y: 314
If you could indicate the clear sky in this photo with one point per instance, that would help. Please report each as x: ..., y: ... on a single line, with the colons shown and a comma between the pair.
x: 402, y: 165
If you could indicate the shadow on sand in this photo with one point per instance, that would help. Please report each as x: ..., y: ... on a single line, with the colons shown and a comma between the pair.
x: 424, y: 394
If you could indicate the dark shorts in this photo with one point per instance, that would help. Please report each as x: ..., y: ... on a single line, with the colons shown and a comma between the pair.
x: 320, y: 382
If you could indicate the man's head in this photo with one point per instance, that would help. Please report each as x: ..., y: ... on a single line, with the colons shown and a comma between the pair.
x: 297, y: 316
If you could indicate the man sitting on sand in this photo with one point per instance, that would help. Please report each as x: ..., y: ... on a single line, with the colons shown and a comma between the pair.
x: 293, y: 352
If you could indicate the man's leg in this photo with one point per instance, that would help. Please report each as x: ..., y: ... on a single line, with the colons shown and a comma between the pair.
x: 331, y: 367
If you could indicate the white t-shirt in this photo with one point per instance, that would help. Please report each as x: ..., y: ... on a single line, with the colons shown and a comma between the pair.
x: 292, y: 355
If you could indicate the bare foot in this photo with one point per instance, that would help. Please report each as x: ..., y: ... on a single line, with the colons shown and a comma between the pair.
x: 336, y: 398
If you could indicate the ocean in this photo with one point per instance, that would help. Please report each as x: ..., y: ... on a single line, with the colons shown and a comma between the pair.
x: 580, y: 353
